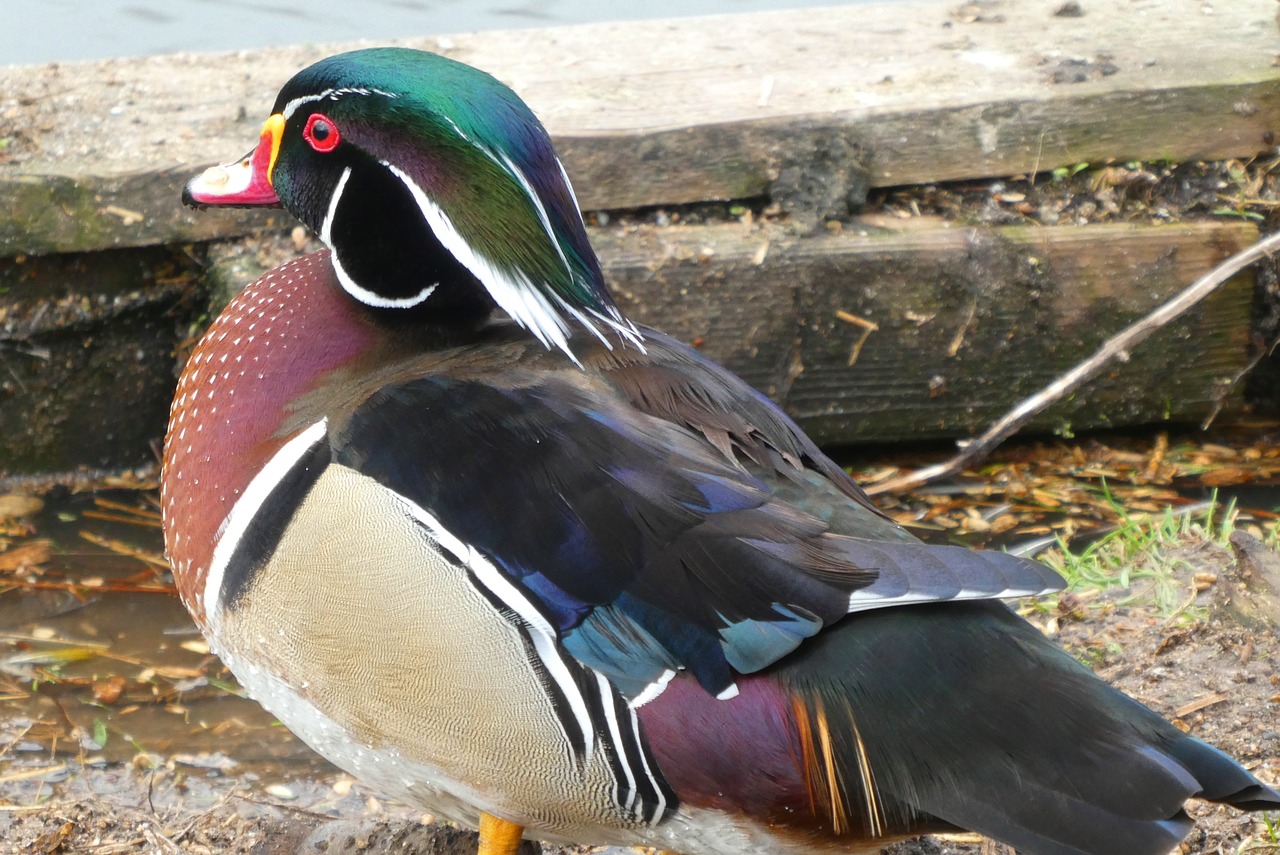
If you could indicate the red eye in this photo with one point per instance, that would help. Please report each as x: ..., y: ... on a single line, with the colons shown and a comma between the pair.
x: 321, y: 133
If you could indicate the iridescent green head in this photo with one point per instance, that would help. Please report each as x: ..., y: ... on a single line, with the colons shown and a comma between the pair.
x: 434, y: 185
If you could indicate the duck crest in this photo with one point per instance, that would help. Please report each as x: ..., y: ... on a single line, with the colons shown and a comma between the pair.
x: 437, y: 188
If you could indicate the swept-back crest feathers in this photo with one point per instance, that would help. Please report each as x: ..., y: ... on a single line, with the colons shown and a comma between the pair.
x: 480, y: 173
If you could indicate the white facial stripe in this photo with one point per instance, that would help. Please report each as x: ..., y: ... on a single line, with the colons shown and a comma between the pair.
x: 517, y: 296
x: 519, y: 176
x: 460, y: 132
x: 618, y: 323
x: 326, y: 228
x: 247, y: 507
x: 292, y: 106
x: 364, y: 295
x: 508, y: 165
x: 569, y: 184
x: 527, y: 304
x: 615, y: 321
x: 621, y: 325
x: 541, y: 632
x: 333, y: 95
x: 371, y: 298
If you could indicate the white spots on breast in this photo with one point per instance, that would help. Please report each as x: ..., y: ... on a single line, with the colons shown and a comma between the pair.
x: 215, y: 384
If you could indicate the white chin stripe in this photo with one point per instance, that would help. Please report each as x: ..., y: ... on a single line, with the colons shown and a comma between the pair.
x: 326, y: 228
x: 369, y: 298
x: 529, y: 305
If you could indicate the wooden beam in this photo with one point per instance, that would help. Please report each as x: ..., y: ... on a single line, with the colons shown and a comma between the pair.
x: 966, y: 322
x: 87, y: 348
x: 678, y: 111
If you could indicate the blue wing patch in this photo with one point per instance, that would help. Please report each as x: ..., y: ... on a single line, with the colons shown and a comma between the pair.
x: 750, y: 645
x: 640, y: 543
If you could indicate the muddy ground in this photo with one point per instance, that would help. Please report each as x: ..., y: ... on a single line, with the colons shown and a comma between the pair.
x: 1211, y: 664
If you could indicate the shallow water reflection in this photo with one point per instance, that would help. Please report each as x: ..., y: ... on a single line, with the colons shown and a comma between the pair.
x: 60, y: 30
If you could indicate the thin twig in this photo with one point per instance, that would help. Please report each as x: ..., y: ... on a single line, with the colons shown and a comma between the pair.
x: 1116, y: 347
x: 1220, y: 400
x: 867, y: 327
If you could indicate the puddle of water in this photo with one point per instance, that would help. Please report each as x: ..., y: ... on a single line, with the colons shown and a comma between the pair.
x: 116, y: 678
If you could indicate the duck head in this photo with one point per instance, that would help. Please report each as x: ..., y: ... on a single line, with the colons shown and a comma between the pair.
x: 434, y: 186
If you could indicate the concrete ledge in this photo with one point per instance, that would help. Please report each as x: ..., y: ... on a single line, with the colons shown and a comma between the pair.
x: 679, y: 111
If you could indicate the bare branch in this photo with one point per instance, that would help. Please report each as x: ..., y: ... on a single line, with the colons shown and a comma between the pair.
x: 1116, y: 347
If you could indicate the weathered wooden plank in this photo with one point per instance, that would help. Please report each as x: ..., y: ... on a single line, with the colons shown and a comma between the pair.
x: 87, y: 341
x: 969, y: 321
x: 87, y: 357
x: 667, y: 112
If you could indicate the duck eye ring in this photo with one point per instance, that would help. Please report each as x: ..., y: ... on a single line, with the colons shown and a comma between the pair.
x: 321, y: 133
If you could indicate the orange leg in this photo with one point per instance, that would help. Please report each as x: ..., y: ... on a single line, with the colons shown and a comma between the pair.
x: 498, y: 837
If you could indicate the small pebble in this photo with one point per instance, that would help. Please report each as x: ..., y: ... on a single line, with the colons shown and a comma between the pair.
x: 281, y: 791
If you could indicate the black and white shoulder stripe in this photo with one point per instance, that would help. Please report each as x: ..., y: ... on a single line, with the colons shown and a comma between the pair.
x: 258, y: 519
x: 592, y: 714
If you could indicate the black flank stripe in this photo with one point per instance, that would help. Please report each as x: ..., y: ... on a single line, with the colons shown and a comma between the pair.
x: 595, y: 705
x: 651, y: 786
x: 564, y: 712
x: 631, y: 754
x: 268, y: 525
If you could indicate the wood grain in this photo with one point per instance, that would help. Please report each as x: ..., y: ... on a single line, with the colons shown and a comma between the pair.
x: 968, y: 322
x: 678, y: 111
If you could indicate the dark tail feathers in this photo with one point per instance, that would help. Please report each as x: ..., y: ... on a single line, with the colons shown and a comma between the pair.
x: 962, y: 714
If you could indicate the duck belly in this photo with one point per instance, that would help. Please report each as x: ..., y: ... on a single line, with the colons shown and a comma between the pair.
x: 376, y: 648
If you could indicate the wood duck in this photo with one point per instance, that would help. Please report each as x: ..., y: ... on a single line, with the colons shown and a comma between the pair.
x: 546, y: 571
